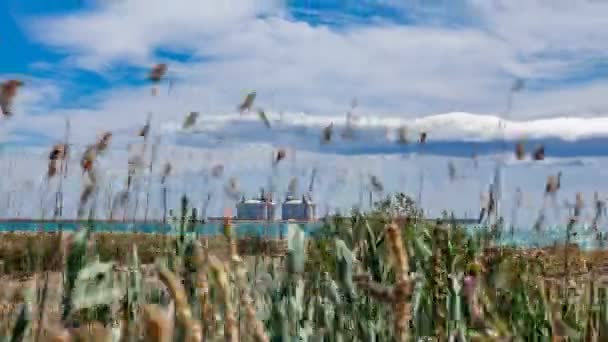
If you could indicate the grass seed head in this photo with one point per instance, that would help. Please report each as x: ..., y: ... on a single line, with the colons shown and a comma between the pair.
x: 247, y: 103
x: 103, y: 142
x: 158, y: 72
x: 8, y: 92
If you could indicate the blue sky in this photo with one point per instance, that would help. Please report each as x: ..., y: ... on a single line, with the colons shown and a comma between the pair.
x: 405, y: 59
x: 439, y: 66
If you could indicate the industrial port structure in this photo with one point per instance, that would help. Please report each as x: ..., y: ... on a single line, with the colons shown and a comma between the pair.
x: 264, y: 209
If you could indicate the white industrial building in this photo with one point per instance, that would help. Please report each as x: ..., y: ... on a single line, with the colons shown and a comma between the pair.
x: 256, y: 209
x: 298, y: 209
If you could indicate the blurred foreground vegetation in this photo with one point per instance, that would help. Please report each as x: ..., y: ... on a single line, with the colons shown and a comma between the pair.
x: 368, y: 277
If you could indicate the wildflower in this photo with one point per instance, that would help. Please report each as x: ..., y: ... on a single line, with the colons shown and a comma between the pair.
x: 8, y: 91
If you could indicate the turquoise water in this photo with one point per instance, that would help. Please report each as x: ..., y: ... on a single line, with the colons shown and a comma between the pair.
x: 271, y: 230
x: 584, y: 237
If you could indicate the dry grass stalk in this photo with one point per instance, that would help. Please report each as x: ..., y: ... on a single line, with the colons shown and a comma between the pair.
x: 402, y: 287
x: 253, y: 324
x: 166, y: 172
x: 377, y: 291
x: 93, y: 332
x: 88, y: 159
x: 520, y: 151
x: 230, y: 323
x: 202, y: 286
x: 157, y: 327
x: 184, y: 314
x: 57, y: 334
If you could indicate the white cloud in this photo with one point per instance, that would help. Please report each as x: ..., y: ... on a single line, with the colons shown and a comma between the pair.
x: 394, y: 70
x: 129, y: 31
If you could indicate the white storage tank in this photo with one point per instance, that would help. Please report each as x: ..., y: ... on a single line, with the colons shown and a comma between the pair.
x: 298, y: 209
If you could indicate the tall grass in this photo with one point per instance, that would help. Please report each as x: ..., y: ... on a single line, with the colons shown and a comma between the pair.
x: 368, y: 277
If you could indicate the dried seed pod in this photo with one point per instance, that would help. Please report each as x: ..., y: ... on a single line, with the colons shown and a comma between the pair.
x: 190, y: 120
x: 327, y: 133
x: 157, y: 72
x: 52, y: 169
x: 422, y: 138
x: 376, y: 184
x: 184, y: 314
x: 230, y: 323
x: 402, y: 287
x: 373, y: 289
x: 92, y: 332
x: 103, y: 142
x: 253, y: 324
x: 8, y: 91
x: 578, y: 205
x: 217, y: 171
x: 88, y: 158
x: 166, y: 172
x: 280, y: 155
x: 157, y: 326
x: 551, y: 186
x: 264, y: 118
x: 232, y: 189
x: 143, y: 132
x: 84, y: 198
x: 520, y: 152
x: 57, y: 152
x: 539, y: 153
x: 402, y: 135
x: 451, y: 171
x: 247, y: 103
x: 58, y: 334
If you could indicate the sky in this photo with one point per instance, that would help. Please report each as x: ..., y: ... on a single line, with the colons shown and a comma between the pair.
x: 441, y: 66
